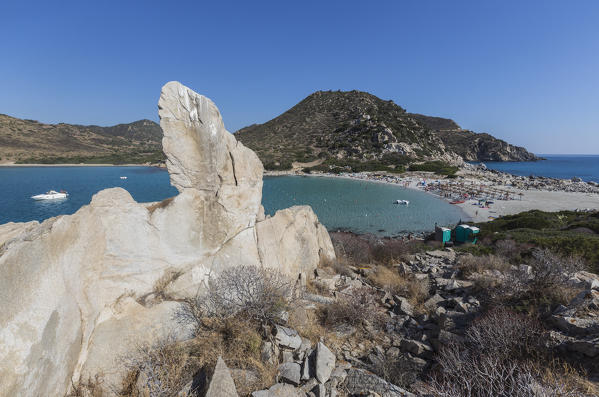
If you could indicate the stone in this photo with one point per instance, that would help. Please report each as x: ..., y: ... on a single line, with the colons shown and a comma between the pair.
x: 287, y: 337
x: 279, y: 390
x: 319, y: 390
x: 221, y: 384
x: 415, y: 347
x: 290, y: 373
x: 70, y: 285
x: 403, y: 306
x: 432, y: 302
x: 361, y: 382
x: 324, y: 363
x: 589, y: 280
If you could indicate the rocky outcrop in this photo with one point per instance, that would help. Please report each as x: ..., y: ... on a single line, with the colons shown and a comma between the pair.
x: 78, y: 291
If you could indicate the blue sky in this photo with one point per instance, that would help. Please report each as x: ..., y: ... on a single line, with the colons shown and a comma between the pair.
x: 524, y: 71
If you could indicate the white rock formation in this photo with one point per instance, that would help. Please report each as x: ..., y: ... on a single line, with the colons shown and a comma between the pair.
x: 73, y: 288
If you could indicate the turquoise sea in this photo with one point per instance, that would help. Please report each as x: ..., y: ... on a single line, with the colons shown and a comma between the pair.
x: 359, y: 206
x: 559, y: 166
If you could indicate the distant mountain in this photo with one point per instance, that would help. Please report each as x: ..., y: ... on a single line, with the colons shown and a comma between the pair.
x: 345, y: 128
x: 29, y: 141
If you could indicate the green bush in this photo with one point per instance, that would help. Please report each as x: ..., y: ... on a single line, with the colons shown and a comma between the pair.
x: 438, y: 167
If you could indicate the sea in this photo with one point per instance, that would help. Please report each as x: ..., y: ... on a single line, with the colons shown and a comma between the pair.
x: 340, y: 204
x: 562, y: 166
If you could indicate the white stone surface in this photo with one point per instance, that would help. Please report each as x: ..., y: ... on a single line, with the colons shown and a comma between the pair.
x: 71, y: 286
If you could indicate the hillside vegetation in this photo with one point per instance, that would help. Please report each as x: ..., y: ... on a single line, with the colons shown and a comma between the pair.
x: 29, y: 141
x: 342, y: 128
x: 565, y: 232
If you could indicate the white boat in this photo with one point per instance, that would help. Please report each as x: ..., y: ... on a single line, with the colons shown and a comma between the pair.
x: 402, y: 202
x: 123, y: 177
x: 51, y: 195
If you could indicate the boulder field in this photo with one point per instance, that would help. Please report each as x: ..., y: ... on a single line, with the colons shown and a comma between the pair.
x: 79, y: 291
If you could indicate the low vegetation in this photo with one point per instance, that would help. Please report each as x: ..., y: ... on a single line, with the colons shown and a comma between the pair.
x: 567, y: 233
x: 438, y: 167
x: 502, y: 354
x: 438, y: 323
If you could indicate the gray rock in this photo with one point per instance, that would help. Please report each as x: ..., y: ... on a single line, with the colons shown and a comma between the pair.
x: 434, y: 301
x: 415, y: 347
x: 324, y: 363
x: 290, y: 372
x: 361, y: 382
x: 319, y: 390
x: 307, y: 370
x: 287, y: 337
x: 575, y: 325
x: 221, y: 384
x: 403, y: 306
x: 284, y: 390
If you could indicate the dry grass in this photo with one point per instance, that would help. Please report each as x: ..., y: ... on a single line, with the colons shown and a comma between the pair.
x: 469, y: 264
x: 307, y: 324
x: 162, y: 204
x: 160, y: 369
x: 165, y: 367
x: 357, y: 308
x: 163, y: 282
x: 389, y: 279
x: 238, y: 341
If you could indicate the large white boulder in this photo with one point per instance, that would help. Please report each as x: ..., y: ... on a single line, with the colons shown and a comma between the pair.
x: 73, y: 288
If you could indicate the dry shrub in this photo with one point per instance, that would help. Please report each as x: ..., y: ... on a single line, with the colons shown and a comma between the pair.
x: 502, y: 355
x: 546, y: 284
x: 358, y: 307
x: 398, y: 370
x: 389, y: 251
x: 469, y: 264
x: 92, y: 387
x: 353, y: 248
x: 229, y: 317
x: 507, y: 248
x: 237, y: 339
x: 505, y: 334
x: 261, y: 294
x: 550, y: 270
x: 162, y: 368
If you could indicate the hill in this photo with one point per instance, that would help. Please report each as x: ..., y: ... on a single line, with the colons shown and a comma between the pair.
x: 29, y: 141
x: 348, y: 128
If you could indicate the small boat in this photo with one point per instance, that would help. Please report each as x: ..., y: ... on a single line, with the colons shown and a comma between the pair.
x: 457, y: 202
x: 402, y: 202
x: 123, y: 177
x: 51, y: 195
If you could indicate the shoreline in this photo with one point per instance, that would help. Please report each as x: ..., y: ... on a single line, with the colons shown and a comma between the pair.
x: 527, y: 199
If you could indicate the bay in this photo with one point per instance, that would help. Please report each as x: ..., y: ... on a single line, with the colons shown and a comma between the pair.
x: 346, y: 204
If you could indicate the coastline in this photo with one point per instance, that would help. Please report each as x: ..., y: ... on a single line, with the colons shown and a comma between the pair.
x: 523, y: 199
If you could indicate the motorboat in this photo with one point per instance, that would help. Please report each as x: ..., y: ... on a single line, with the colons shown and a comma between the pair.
x: 123, y: 177
x: 402, y: 202
x: 51, y: 195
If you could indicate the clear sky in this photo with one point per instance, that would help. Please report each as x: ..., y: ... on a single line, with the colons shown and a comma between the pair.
x: 524, y: 71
